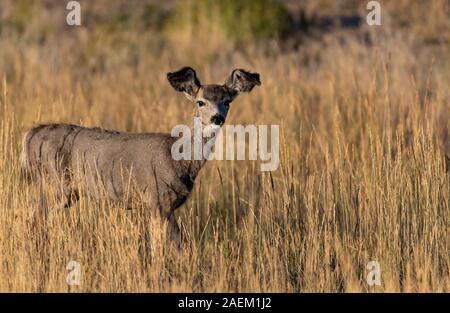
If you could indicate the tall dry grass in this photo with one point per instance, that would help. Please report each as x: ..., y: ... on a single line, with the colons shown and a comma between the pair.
x: 364, y: 127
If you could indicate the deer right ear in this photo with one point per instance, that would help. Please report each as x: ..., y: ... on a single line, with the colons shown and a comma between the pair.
x: 186, y: 81
x: 242, y: 81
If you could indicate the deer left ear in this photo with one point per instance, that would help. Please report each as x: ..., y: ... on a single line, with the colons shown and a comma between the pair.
x: 186, y: 81
x: 242, y: 81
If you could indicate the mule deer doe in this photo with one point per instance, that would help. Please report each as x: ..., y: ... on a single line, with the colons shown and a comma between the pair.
x: 105, y: 159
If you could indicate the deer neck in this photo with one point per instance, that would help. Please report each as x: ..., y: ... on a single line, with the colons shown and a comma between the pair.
x: 199, y: 142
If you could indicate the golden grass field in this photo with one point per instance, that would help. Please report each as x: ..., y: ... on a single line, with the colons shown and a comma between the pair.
x: 364, y: 120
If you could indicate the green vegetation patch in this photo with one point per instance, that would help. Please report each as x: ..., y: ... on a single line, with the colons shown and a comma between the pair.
x: 240, y: 20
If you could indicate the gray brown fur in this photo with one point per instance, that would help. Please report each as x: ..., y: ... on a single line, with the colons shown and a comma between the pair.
x: 125, y: 165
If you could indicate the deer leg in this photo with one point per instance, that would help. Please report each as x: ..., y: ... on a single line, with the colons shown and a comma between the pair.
x: 174, y: 230
x: 62, y: 176
x: 67, y: 199
x: 39, y: 214
x: 43, y: 200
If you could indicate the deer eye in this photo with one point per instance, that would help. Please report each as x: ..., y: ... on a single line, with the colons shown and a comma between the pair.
x: 200, y: 103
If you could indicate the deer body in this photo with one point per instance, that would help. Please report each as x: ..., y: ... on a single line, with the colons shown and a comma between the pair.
x: 120, y: 164
x: 128, y: 166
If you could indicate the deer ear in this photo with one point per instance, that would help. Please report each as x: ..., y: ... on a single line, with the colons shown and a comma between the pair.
x: 242, y: 81
x: 186, y: 81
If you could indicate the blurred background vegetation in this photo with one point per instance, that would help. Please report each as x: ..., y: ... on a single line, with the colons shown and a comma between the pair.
x: 288, y: 23
x: 239, y: 20
x: 205, y: 30
x: 364, y: 115
x: 199, y: 32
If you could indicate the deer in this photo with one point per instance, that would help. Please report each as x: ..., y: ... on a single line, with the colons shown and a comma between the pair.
x: 71, y: 155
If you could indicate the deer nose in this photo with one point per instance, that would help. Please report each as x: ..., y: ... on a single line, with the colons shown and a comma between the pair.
x: 217, y: 120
